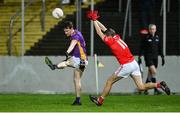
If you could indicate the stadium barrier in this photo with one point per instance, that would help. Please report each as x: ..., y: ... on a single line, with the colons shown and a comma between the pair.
x: 30, y: 74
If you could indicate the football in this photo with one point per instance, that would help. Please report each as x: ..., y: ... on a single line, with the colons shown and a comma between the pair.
x: 57, y: 13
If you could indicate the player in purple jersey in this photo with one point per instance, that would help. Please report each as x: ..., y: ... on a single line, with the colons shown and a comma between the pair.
x: 78, y: 60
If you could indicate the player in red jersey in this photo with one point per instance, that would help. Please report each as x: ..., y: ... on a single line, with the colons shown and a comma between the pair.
x: 128, y: 65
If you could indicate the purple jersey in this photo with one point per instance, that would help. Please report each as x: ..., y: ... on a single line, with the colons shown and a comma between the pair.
x: 80, y: 49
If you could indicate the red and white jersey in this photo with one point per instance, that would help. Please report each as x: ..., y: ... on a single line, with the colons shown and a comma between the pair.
x: 120, y: 49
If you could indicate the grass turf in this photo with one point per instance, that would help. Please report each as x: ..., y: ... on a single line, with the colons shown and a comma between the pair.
x: 59, y: 103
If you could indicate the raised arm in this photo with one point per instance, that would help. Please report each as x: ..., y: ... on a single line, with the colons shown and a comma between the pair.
x: 98, y: 29
x: 93, y: 15
x: 103, y: 28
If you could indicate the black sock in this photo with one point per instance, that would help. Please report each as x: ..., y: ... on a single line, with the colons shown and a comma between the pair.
x: 148, y: 79
x: 153, y: 79
x: 55, y: 66
x: 78, y: 99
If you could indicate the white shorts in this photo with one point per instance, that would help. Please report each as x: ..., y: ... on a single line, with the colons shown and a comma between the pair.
x: 75, y: 62
x: 131, y: 68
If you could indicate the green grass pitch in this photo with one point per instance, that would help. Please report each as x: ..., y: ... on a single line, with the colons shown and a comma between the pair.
x: 113, y: 103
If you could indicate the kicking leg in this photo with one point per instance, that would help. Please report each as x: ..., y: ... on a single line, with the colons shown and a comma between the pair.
x: 49, y: 63
x: 68, y: 63
x: 61, y: 65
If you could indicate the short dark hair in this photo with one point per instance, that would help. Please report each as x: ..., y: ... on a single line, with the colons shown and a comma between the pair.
x: 110, y: 32
x: 68, y: 24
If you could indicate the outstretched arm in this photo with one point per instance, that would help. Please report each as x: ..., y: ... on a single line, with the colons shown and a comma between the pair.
x: 93, y: 15
x: 103, y: 28
x: 98, y: 29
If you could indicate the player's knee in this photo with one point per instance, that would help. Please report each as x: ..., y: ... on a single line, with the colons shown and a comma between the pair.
x: 77, y: 83
x: 76, y: 80
x: 153, y: 72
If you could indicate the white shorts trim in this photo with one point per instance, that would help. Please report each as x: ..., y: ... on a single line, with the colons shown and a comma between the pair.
x: 131, y: 68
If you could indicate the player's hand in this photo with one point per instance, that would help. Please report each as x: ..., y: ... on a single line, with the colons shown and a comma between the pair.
x: 139, y: 60
x: 163, y: 61
x: 89, y: 14
x: 93, y: 15
x: 67, y: 56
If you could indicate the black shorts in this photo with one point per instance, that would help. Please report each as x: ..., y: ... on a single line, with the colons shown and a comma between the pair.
x: 151, y: 61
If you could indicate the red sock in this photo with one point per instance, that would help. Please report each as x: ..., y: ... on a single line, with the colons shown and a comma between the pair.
x: 100, y: 100
x: 158, y: 85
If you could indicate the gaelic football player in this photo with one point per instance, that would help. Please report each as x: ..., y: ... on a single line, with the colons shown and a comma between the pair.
x: 128, y: 66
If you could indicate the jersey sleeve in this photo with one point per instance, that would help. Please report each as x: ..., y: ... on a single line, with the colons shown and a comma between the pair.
x: 75, y: 37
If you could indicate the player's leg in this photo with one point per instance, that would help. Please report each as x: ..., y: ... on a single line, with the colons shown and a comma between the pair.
x: 60, y: 65
x: 122, y: 72
x: 110, y: 81
x: 49, y: 63
x: 138, y: 81
x: 77, y: 86
x: 136, y: 75
x: 63, y: 64
x: 78, y: 72
x: 142, y: 87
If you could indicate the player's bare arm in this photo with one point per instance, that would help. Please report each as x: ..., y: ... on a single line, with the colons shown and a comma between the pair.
x: 98, y: 29
x: 72, y: 45
x: 103, y: 28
